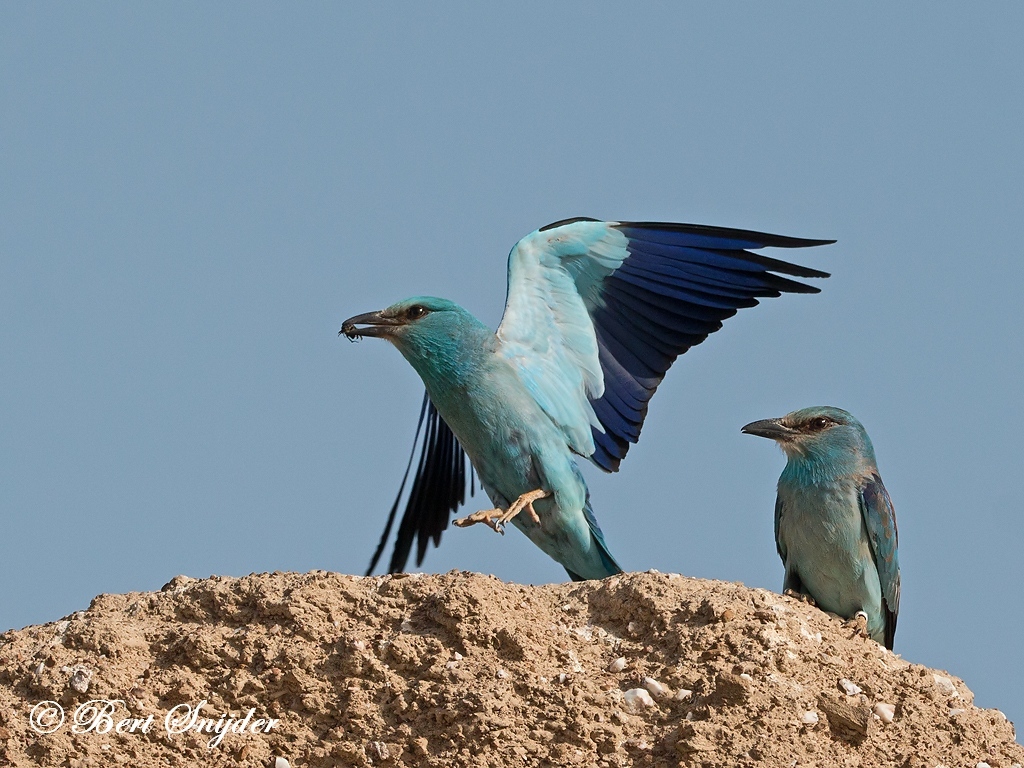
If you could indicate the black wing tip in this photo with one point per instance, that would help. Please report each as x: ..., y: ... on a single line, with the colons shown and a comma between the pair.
x: 563, y: 222
x: 803, y: 288
x: 781, y: 267
x: 797, y: 271
x: 767, y: 239
x: 890, y: 628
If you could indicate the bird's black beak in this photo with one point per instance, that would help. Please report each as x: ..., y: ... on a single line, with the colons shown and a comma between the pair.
x: 773, y: 429
x: 375, y: 325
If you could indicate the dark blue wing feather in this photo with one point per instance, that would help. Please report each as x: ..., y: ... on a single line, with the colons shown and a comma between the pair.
x: 677, y: 285
x: 880, y: 521
x: 438, y: 489
x: 779, y: 546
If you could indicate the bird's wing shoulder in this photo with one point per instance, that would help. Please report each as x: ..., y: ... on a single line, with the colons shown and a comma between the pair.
x: 438, y: 489
x: 597, y: 312
x: 546, y: 330
x: 880, y: 521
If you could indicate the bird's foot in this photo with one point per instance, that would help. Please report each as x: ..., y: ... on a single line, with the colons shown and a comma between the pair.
x: 488, y: 517
x: 498, y: 518
x: 801, y: 597
x: 859, y: 623
x: 524, y: 502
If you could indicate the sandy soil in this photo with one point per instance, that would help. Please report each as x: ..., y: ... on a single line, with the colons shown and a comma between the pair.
x: 465, y: 670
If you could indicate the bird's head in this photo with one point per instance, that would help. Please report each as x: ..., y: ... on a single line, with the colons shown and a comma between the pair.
x: 431, y: 333
x: 820, y: 433
x: 416, y: 317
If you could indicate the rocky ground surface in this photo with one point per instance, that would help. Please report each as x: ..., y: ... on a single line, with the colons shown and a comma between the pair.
x: 465, y: 670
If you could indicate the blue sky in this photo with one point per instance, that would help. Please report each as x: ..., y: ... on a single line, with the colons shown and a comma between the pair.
x: 195, y: 196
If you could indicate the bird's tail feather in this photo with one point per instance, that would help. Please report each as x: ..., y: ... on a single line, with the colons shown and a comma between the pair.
x: 438, y: 489
x: 609, y: 563
x: 394, y: 507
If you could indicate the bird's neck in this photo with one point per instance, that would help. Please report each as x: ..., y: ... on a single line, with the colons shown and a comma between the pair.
x: 825, y: 464
x: 451, y: 361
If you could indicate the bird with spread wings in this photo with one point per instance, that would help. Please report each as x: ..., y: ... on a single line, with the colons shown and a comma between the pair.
x: 596, y: 313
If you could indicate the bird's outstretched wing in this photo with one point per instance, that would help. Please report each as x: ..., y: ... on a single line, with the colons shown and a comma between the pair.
x: 598, y: 311
x: 880, y: 521
x: 438, y: 489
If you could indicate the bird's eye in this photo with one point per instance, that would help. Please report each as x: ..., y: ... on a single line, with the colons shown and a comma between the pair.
x: 415, y: 312
x: 818, y: 424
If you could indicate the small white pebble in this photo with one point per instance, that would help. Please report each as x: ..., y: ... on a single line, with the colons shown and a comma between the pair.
x: 637, y: 697
x: 280, y: 762
x: 955, y: 712
x: 982, y: 764
x: 585, y: 633
x: 945, y: 686
x: 502, y: 674
x: 816, y: 637
x: 885, y: 712
x: 457, y: 656
x: 654, y: 571
x: 80, y: 680
x: 745, y: 676
x: 655, y: 688
x: 562, y: 677
x: 810, y: 717
x: 850, y: 687
x: 618, y: 665
x: 683, y: 694
x: 406, y: 626
x: 632, y: 627
x: 359, y: 645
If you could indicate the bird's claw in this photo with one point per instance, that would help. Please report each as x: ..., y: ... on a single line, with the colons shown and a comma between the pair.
x: 489, y: 517
x: 859, y: 623
x: 524, y: 502
x: 801, y: 597
x: 497, y: 519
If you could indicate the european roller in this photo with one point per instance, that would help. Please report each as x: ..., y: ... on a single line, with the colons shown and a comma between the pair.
x: 835, y: 526
x: 595, y: 314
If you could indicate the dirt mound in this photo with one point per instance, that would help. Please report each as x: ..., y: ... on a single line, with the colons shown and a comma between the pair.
x: 463, y: 670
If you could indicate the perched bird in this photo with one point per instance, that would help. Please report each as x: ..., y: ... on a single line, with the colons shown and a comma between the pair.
x: 596, y: 312
x: 835, y: 526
